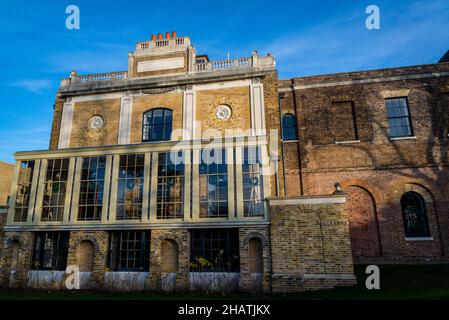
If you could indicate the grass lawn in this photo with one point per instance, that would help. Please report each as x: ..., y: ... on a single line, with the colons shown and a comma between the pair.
x: 396, y: 281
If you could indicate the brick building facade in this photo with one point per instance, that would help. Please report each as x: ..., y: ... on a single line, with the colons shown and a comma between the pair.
x: 189, y: 174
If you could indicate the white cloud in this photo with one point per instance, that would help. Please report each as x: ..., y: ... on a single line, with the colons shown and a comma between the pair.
x: 33, y: 85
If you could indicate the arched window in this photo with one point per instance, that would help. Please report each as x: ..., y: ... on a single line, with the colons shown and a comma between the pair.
x: 157, y: 125
x: 289, y: 127
x: 414, y: 214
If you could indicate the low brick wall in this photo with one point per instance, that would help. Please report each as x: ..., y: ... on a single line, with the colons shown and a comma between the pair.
x: 310, y: 243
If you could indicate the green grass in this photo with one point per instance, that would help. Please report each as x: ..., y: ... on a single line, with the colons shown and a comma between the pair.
x: 401, y: 282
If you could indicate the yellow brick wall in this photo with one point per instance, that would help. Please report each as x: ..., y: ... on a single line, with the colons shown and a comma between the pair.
x: 238, y: 99
x: 136, y: 60
x: 173, y: 101
x: 83, y: 135
x: 6, y: 172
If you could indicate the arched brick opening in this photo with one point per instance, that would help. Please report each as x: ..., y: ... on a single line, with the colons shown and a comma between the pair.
x: 363, y: 223
x: 14, y: 257
x: 169, y: 256
x: 255, y: 255
x: 86, y: 254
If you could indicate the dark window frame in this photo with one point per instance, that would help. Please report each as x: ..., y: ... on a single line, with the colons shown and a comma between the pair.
x: 418, y: 207
x: 135, y: 244
x: 58, y: 253
x: 22, y: 201
x: 56, y: 181
x: 408, y: 118
x: 252, y: 180
x: 294, y: 127
x: 91, y: 180
x: 130, y: 180
x: 212, y: 178
x: 204, y: 243
x: 170, y: 176
x: 149, y: 125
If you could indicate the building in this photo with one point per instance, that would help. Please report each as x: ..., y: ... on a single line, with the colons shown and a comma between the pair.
x: 184, y: 173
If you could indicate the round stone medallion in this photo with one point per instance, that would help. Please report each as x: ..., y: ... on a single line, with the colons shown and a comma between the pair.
x: 223, y: 112
x: 96, y: 122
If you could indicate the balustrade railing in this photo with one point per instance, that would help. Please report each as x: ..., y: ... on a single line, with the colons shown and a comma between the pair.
x: 224, y: 64
x: 109, y: 76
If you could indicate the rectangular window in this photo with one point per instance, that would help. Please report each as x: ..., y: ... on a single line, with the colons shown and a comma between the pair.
x: 55, y: 189
x: 253, y: 197
x: 129, y: 250
x: 50, y: 251
x: 398, y: 118
x: 91, y: 188
x: 213, y: 184
x: 23, y: 191
x: 215, y: 250
x: 170, y: 185
x: 130, y: 187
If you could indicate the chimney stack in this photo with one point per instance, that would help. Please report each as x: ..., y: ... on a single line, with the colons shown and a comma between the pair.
x: 173, y: 34
x: 159, y: 36
x: 167, y: 35
x: 153, y: 37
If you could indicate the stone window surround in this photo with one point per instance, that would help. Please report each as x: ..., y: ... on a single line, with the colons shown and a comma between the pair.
x: 112, y: 153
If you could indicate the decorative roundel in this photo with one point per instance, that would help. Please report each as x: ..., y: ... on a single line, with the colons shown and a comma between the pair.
x: 223, y: 112
x: 96, y: 122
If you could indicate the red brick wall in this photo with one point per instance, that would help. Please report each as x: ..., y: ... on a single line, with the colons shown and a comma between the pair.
x: 376, y: 171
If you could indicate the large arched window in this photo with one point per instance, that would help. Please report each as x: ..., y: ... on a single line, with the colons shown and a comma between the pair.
x: 289, y: 127
x: 414, y: 214
x: 157, y: 125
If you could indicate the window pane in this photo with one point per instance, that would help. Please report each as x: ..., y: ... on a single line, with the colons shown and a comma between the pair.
x: 170, y: 185
x: 130, y: 187
x: 157, y: 125
x: 129, y: 251
x: 289, y: 127
x: 214, y: 250
x: 213, y: 184
x: 414, y: 214
x: 253, y: 197
x: 91, y: 188
x: 50, y: 251
x: 24, y: 181
x: 54, y: 190
x: 398, y: 117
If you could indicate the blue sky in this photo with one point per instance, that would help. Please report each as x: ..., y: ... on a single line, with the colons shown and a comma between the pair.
x: 306, y: 38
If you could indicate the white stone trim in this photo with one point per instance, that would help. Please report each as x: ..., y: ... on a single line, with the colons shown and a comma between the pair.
x: 66, y: 124
x: 419, y: 239
x: 160, y: 64
x: 222, y: 85
x: 306, y: 200
x: 329, y: 276
x: 94, y: 97
x: 257, y: 109
x: 189, y: 115
x: 403, y: 138
x: 372, y: 80
x: 133, y: 225
x: 124, y: 128
x: 347, y: 142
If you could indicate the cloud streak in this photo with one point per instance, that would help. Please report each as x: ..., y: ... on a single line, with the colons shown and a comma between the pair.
x: 417, y: 34
x: 33, y: 85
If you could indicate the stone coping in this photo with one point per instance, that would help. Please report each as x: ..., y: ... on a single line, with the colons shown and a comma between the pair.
x: 318, y: 199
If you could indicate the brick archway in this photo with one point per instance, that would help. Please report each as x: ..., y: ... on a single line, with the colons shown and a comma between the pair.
x: 363, y: 223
